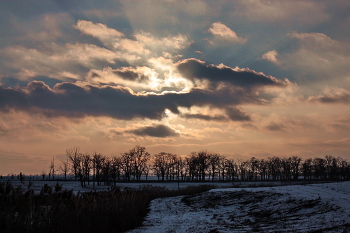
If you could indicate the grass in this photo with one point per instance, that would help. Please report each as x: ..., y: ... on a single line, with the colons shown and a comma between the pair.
x: 56, y: 210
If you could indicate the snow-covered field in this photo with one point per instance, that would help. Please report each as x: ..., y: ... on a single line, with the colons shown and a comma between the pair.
x: 296, y: 208
x: 36, y: 185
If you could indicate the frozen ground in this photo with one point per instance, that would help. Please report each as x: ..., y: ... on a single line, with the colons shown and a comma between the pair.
x: 297, y: 208
x: 37, y: 184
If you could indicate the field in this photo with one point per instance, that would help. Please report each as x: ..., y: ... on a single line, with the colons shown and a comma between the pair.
x: 230, y: 207
x: 297, y: 208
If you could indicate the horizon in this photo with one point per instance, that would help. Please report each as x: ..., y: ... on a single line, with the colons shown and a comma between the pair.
x: 239, y: 78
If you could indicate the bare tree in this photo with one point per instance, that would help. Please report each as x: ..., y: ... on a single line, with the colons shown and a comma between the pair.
x: 295, y: 166
x: 74, y: 156
x: 192, y: 165
x: 106, y: 170
x: 140, y: 157
x: 307, y: 169
x: 64, y: 167
x: 97, y: 163
x: 263, y: 169
x: 52, y: 169
x: 160, y: 164
x: 126, y: 159
x: 146, y: 169
x: 116, y: 167
x: 134, y: 162
x: 86, y: 167
x: 214, y: 164
x: 203, y: 163
x: 43, y: 174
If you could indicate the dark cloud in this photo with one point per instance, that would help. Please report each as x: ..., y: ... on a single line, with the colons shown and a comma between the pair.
x: 13, y: 82
x: 193, y: 69
x: 131, y: 75
x: 343, y: 98
x: 94, y: 74
x: 160, y: 131
x: 233, y: 114
x: 345, y: 127
x: 275, y: 127
x: 236, y: 114
x: 73, y: 100
x: 205, y: 117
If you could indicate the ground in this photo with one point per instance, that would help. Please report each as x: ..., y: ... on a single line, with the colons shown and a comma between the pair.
x: 289, y: 208
x: 296, y: 208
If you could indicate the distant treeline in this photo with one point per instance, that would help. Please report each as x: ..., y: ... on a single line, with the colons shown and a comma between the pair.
x: 137, y: 164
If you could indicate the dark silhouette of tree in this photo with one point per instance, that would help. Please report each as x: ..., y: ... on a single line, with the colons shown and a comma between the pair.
x: 74, y: 156
x: 86, y: 167
x: 126, y: 159
x: 64, y: 167
x: 116, y: 167
x: 199, y: 166
x: 97, y: 165
x: 182, y: 170
x: 52, y: 169
x: 231, y: 168
x: 274, y: 167
x: 263, y: 169
x: 43, y: 174
x: 307, y: 169
x: 106, y: 168
x: 160, y: 164
x: 295, y: 166
x: 192, y: 164
x: 214, y: 164
x: 140, y: 158
x: 319, y: 168
x: 76, y: 159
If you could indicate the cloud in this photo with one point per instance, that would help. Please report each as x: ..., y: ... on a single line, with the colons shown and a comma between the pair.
x: 288, y: 12
x: 142, y: 46
x: 100, y: 31
x: 170, y: 43
x: 236, y: 114
x: 273, y: 126
x: 194, y: 69
x: 315, y: 41
x: 233, y: 114
x: 270, y: 56
x: 124, y: 75
x: 56, y: 61
x: 340, y: 96
x: 160, y: 131
x: 82, y: 99
x: 221, y: 31
x: 204, y: 117
x: 71, y: 100
x: 318, y: 57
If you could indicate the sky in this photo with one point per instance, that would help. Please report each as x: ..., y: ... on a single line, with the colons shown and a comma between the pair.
x: 243, y: 78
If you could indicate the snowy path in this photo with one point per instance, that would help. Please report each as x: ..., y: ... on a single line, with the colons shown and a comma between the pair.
x: 299, y: 208
x: 173, y: 215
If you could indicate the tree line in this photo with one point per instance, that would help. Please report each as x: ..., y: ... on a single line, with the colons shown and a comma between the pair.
x: 137, y: 164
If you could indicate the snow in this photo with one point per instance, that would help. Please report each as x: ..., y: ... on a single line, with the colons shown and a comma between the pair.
x: 74, y: 185
x: 296, y: 208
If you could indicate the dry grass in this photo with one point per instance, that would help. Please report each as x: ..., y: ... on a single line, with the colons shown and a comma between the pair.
x: 55, y: 210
